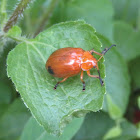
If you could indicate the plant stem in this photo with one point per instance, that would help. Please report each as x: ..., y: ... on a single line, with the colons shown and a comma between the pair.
x: 46, y: 16
x: 18, y: 11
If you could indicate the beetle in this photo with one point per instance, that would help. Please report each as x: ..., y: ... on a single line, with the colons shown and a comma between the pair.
x: 68, y: 62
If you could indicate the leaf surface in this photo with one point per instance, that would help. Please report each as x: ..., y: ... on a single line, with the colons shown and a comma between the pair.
x: 99, y: 126
x: 129, y: 131
x: 127, y: 40
x: 5, y: 93
x: 139, y: 102
x: 113, y: 132
x: 13, y: 119
x: 97, y: 13
x: 126, y: 10
x: 26, y: 66
x: 134, y: 68
x: 117, y: 81
x: 33, y: 131
x: 95, y: 126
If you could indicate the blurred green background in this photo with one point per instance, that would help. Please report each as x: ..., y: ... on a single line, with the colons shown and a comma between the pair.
x: 119, y: 22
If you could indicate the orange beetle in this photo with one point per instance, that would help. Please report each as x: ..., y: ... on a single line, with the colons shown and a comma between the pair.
x: 67, y: 62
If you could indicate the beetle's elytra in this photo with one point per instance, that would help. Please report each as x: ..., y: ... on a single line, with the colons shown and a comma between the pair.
x: 67, y: 62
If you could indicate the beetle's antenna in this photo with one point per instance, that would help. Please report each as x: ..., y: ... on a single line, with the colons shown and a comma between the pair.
x: 106, y: 50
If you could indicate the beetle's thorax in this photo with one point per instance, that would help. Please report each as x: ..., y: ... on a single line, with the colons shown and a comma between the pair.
x: 88, y: 61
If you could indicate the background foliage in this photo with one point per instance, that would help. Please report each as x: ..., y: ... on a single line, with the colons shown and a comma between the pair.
x: 30, y: 31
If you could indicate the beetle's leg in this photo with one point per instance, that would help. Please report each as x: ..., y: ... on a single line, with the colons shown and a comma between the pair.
x: 103, y: 52
x: 101, y: 81
x: 96, y: 76
x: 81, y: 77
x: 92, y: 51
x: 60, y: 82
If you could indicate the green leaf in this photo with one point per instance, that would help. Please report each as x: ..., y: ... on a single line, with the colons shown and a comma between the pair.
x: 6, y: 9
x: 13, y: 120
x: 113, y: 132
x: 134, y: 68
x: 15, y: 31
x: 129, y: 131
x: 138, y: 130
x: 97, y: 13
x: 5, y: 93
x: 95, y: 126
x: 7, y: 85
x: 117, y: 81
x: 3, y: 108
x: 3, y: 56
x: 124, y: 130
x: 99, y: 126
x: 126, y: 10
x: 114, y: 111
x: 26, y: 66
x: 139, y: 102
x: 16, y: 14
x: 33, y: 15
x: 32, y: 131
x: 127, y: 40
x: 5, y: 97
x: 37, y: 16
x: 15, y: 34
x: 138, y: 20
